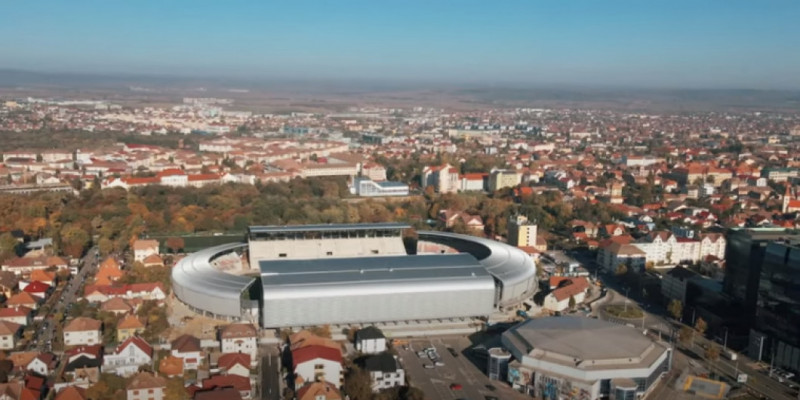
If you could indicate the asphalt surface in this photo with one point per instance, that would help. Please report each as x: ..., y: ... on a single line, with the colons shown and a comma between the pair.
x: 462, y: 370
x: 46, y: 333
x: 270, y: 376
x: 654, y: 321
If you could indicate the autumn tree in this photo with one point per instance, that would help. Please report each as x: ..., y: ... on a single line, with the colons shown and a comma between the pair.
x: 675, y: 309
x: 175, y: 389
x: 700, y: 325
x: 358, y: 384
x: 621, y: 270
x: 74, y: 240
x: 108, y: 387
x: 571, y: 303
x: 685, y: 335
x: 8, y: 245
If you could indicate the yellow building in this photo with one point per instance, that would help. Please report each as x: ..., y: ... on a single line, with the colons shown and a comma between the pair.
x: 521, y: 232
x: 128, y: 326
x: 503, y: 178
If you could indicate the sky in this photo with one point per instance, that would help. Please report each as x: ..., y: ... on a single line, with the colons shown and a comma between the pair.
x: 607, y: 43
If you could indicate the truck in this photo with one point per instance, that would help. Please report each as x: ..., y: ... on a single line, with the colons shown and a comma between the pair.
x: 730, y: 355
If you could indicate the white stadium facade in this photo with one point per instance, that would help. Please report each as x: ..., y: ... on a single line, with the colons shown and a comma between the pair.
x: 295, y: 276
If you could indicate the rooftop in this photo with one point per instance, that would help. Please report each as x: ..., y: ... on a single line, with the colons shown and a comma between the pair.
x: 327, y: 227
x: 366, y: 269
x: 576, y: 340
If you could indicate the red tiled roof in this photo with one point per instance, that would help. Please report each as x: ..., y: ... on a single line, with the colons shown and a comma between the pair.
x: 305, y: 354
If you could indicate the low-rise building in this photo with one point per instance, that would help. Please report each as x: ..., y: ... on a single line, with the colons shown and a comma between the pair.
x: 83, y: 331
x: 317, y: 363
x: 9, y: 334
x: 128, y: 357
x: 385, y: 371
x: 146, y: 386
x: 239, y: 338
x: 187, y: 348
x: 370, y: 340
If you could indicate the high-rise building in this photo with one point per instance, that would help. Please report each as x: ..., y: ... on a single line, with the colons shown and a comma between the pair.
x: 763, y: 274
x: 521, y: 232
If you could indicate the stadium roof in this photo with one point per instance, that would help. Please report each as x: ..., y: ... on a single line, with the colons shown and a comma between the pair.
x: 336, y: 271
x: 327, y: 227
x: 580, y: 338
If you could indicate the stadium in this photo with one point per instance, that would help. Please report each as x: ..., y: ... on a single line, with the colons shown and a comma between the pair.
x: 296, y: 276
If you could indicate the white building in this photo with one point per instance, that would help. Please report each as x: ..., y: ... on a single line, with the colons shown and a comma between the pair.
x: 587, y: 357
x: 240, y: 338
x: 83, y: 331
x: 443, y: 178
x: 317, y: 363
x: 370, y: 340
x: 367, y: 188
x: 9, y: 333
x: 128, y: 357
x: 146, y: 386
x: 144, y: 248
x: 385, y: 371
x: 665, y: 248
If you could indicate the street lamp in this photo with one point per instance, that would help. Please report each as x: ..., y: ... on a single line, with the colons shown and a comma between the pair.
x: 627, y: 289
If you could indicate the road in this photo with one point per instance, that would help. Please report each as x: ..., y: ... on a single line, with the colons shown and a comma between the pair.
x: 69, y: 295
x: 656, y: 323
x: 270, y: 376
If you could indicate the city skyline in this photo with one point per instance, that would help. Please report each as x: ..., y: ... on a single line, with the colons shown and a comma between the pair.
x: 615, y: 44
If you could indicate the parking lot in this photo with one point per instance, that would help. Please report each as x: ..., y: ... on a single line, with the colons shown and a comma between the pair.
x: 464, y: 373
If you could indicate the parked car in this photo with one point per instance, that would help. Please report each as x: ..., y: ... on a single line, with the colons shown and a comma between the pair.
x: 456, y: 386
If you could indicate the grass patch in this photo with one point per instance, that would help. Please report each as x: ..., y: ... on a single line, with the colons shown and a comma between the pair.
x: 619, y: 311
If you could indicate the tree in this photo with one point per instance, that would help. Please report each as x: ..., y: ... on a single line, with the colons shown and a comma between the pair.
x: 571, y: 303
x: 175, y: 244
x: 358, y: 384
x: 105, y: 245
x: 108, y: 387
x: 700, y: 325
x: 621, y: 270
x: 685, y: 335
x: 675, y: 309
x: 712, y: 352
x: 8, y: 245
x: 74, y: 240
x: 175, y: 389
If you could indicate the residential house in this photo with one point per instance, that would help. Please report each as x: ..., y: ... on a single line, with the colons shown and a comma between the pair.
x: 234, y: 364
x: 153, y: 260
x: 370, y: 340
x: 219, y: 393
x: 385, y: 371
x: 83, y: 364
x: 9, y: 333
x: 452, y: 218
x: 317, y: 363
x: 9, y: 282
x: 306, y: 338
x: 241, y: 384
x: 18, y: 314
x: 239, y: 338
x: 44, y: 276
x: 43, y: 364
x: 144, y: 248
x: 38, y: 289
x: 24, y: 299
x: 318, y: 391
x: 146, y: 386
x: 83, y: 331
x: 564, y: 289
x: 116, y: 306
x: 23, y: 266
x: 187, y: 348
x: 71, y: 393
x: 129, y: 326
x: 128, y: 357
x: 143, y: 291
x: 17, y: 391
x: 171, y: 366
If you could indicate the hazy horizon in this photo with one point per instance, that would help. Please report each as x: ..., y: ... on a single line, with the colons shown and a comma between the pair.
x: 614, y: 44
